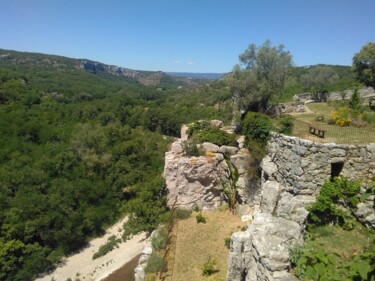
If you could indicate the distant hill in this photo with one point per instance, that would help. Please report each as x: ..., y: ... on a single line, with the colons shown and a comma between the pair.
x: 210, y: 76
x: 22, y: 60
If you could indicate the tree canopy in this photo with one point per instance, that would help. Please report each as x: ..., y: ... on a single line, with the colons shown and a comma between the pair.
x: 318, y: 78
x: 260, y: 76
x: 364, y: 64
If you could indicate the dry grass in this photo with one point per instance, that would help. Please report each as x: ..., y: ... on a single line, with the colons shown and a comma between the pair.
x: 196, y: 242
x: 334, y: 133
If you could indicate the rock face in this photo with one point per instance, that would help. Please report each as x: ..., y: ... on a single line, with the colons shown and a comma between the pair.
x: 197, y: 181
x: 292, y: 174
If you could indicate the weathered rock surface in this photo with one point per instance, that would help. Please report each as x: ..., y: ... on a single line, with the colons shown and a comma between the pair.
x: 292, y: 174
x: 195, y: 180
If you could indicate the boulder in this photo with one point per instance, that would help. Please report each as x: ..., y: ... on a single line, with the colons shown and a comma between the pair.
x: 217, y: 123
x: 228, y: 150
x: 210, y: 147
x: 269, y: 196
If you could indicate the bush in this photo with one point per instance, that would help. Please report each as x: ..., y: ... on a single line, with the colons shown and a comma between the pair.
x: 256, y: 126
x: 326, y: 210
x: 107, y: 247
x: 227, y: 241
x: 285, y: 125
x: 191, y: 148
x: 182, y: 214
x: 204, y: 132
x: 160, y: 240
x: 200, y: 218
x: 208, y: 268
x: 369, y: 117
x: 155, y: 264
x: 342, y: 116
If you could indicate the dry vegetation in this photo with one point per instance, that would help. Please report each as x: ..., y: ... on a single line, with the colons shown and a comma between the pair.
x: 196, y: 242
x: 334, y: 133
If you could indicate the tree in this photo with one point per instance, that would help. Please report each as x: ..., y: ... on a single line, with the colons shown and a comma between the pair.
x: 318, y: 78
x: 364, y: 64
x: 261, y: 76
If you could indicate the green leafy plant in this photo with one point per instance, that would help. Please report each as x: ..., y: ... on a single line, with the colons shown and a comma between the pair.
x: 200, y: 218
x: 326, y: 210
x: 256, y: 126
x: 209, y: 267
x: 159, y: 241
x: 154, y: 264
x: 285, y: 125
x: 112, y: 243
x: 227, y: 241
x: 183, y: 214
x: 230, y: 187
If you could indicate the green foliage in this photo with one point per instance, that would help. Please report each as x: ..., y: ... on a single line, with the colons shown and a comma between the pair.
x: 147, y: 210
x: 256, y: 126
x: 285, y: 125
x: 319, y: 78
x: 209, y: 267
x: 326, y: 209
x: 111, y: 244
x: 191, y: 148
x: 364, y: 64
x: 159, y: 241
x: 183, y: 214
x: 262, y: 77
x: 154, y: 264
x: 227, y: 241
x: 204, y: 132
x: 230, y: 187
x: 355, y: 100
x: 200, y: 218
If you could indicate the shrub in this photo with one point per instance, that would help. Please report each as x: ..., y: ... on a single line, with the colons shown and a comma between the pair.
x: 107, y: 247
x: 204, y: 132
x: 342, y: 116
x: 191, y: 148
x: 155, y: 264
x: 227, y: 241
x: 159, y: 241
x: 285, y: 125
x: 200, y: 218
x: 369, y: 117
x: 208, y: 268
x: 355, y: 100
x: 256, y: 126
x: 325, y: 210
x: 182, y: 214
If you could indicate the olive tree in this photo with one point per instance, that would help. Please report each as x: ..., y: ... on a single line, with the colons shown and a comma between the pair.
x: 318, y: 78
x: 364, y: 64
x: 260, y: 76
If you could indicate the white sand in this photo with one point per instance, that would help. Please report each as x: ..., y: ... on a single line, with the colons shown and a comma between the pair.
x: 81, y: 265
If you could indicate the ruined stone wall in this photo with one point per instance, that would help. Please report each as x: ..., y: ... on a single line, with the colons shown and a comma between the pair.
x: 302, y: 166
x: 292, y: 174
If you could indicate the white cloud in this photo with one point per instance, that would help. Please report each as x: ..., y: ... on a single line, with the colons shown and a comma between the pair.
x: 190, y: 62
x: 177, y: 61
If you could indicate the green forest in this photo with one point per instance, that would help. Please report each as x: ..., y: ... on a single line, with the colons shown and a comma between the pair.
x: 79, y: 149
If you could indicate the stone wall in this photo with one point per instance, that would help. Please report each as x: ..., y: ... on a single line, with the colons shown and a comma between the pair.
x: 292, y: 174
x: 366, y: 94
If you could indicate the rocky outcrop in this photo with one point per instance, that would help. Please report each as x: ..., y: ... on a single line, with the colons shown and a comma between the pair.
x: 292, y: 174
x: 198, y: 180
x: 194, y: 180
x: 140, y: 270
x: 149, y: 79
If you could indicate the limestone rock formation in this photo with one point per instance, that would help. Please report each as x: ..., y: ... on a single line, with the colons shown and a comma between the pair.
x: 292, y: 174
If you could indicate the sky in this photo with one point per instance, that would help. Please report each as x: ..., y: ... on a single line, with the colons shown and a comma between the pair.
x: 187, y: 35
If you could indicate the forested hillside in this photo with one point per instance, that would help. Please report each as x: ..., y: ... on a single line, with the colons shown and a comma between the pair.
x: 78, y: 148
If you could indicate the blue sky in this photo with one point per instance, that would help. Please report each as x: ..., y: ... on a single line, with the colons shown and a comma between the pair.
x: 187, y: 35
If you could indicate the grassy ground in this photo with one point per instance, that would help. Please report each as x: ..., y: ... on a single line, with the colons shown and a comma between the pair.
x: 334, y: 133
x: 196, y: 242
x: 345, y: 243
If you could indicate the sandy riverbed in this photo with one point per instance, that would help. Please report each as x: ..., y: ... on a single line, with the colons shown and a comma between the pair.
x: 82, y: 267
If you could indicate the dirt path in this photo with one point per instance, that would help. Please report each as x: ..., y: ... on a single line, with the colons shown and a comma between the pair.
x: 81, y: 266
